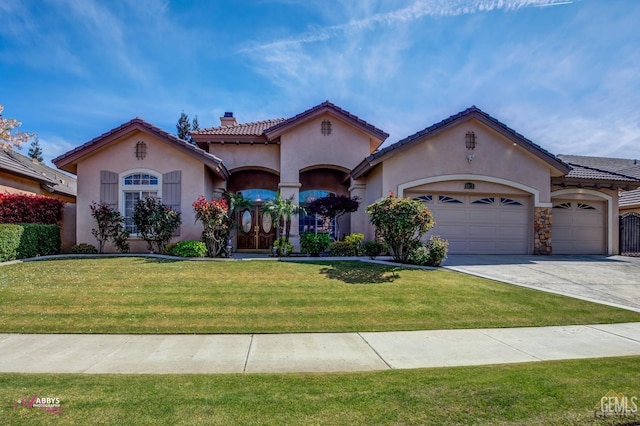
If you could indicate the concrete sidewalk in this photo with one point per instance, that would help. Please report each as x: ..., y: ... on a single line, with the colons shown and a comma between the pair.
x: 313, y: 352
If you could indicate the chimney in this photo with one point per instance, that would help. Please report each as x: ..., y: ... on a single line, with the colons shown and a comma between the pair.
x: 228, y: 120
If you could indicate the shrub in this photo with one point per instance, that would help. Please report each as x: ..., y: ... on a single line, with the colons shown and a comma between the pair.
x: 28, y: 240
x: 356, y: 241
x: 189, y: 248
x: 20, y: 208
x: 9, y: 241
x: 432, y: 253
x: 419, y: 256
x: 215, y: 220
x: 314, y: 244
x: 110, y: 227
x: 156, y: 223
x: 283, y: 246
x: 84, y: 248
x: 438, y: 249
x: 38, y: 240
x: 373, y: 248
x: 342, y: 248
x: 400, y: 222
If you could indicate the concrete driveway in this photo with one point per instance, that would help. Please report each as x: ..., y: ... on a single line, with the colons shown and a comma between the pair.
x: 611, y: 280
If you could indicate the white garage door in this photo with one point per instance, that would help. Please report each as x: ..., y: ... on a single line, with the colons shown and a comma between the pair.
x: 578, y: 227
x: 484, y: 224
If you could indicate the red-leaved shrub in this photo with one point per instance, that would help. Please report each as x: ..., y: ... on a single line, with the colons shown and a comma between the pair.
x: 20, y: 208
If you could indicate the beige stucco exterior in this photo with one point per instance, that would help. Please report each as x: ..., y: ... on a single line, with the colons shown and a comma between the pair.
x: 299, y: 154
x: 119, y: 157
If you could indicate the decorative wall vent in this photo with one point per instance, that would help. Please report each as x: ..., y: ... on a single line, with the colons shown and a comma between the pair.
x: 325, y: 128
x: 141, y: 150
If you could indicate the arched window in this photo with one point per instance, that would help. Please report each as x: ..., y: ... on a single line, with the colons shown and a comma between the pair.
x: 137, y: 186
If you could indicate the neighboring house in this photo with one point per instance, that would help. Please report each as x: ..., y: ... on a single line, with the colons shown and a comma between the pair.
x: 23, y: 175
x: 490, y: 189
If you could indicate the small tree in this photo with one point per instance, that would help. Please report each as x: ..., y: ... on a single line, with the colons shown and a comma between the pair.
x: 282, y: 210
x: 156, y: 222
x: 184, y: 128
x: 35, y: 150
x: 9, y: 137
x: 400, y: 222
x: 332, y: 207
x: 215, y: 219
x: 110, y: 227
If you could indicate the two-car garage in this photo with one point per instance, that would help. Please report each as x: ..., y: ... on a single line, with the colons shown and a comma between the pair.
x: 481, y: 224
x: 503, y: 224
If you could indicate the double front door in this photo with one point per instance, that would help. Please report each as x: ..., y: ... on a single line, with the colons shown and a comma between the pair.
x: 256, y: 229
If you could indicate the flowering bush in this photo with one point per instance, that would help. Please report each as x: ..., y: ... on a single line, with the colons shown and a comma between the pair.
x: 214, y: 217
x: 20, y: 208
x: 400, y: 222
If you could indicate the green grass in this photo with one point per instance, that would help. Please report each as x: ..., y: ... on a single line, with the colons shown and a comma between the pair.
x: 144, y: 295
x: 545, y: 393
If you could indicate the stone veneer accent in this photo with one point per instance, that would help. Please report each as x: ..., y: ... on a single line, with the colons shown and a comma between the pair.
x: 542, y: 225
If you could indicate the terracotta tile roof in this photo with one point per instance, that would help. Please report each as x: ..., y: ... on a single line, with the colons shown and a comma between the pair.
x: 619, y: 165
x: 472, y: 111
x: 51, y: 179
x: 380, y: 134
x: 584, y: 172
x: 256, y: 128
x: 182, y: 144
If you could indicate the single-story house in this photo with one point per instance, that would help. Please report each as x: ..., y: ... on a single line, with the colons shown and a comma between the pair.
x: 490, y: 189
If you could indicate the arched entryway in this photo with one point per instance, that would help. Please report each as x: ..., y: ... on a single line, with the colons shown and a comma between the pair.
x: 255, y: 229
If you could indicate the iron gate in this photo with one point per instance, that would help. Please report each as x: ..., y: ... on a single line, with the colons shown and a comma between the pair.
x: 630, y: 234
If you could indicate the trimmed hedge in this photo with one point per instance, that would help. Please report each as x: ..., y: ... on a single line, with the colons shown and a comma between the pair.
x: 20, y: 208
x: 9, y: 241
x: 28, y: 240
x: 189, y: 248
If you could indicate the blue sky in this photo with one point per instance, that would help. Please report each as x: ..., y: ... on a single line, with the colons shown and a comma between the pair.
x: 566, y: 74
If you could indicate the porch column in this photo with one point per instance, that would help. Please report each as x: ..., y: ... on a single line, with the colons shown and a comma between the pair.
x: 359, y: 220
x: 288, y: 190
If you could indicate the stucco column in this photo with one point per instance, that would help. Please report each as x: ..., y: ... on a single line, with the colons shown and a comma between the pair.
x: 542, y: 230
x: 289, y: 190
x: 359, y: 217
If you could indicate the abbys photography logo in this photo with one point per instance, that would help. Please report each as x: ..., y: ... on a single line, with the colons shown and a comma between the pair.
x: 614, y: 404
x: 48, y: 404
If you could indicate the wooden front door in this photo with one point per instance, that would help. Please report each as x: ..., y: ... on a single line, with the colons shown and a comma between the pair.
x: 256, y: 230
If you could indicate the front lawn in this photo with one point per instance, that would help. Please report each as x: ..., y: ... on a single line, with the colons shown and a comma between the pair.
x: 543, y: 393
x: 146, y: 295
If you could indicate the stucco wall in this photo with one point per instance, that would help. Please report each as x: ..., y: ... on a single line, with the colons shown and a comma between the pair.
x: 238, y: 156
x: 305, y: 147
x: 446, y: 154
x: 119, y: 157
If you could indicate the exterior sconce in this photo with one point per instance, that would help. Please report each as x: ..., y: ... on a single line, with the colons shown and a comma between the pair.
x: 470, y: 142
